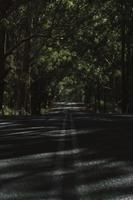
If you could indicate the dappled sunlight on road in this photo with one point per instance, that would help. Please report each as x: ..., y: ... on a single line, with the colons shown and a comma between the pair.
x: 66, y: 155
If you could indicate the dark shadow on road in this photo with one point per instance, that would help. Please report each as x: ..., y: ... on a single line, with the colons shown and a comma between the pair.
x: 67, y: 155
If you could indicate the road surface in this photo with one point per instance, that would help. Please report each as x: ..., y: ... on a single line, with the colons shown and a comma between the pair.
x: 66, y: 154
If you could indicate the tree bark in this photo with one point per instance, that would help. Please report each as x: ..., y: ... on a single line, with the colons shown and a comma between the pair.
x: 2, y: 66
x: 124, y: 67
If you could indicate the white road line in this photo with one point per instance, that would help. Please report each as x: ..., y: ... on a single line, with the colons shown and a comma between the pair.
x: 76, y: 158
x: 58, y: 171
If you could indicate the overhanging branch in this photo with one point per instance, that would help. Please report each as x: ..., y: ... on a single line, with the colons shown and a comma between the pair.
x: 10, y: 51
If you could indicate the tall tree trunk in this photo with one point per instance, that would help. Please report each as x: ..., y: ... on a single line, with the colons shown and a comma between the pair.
x: 104, y: 101
x: 25, y: 85
x: 2, y: 66
x: 130, y: 78
x: 98, y: 97
x: 35, y: 98
x: 124, y: 67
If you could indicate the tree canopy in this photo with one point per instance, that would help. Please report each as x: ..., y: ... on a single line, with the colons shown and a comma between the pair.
x: 76, y: 50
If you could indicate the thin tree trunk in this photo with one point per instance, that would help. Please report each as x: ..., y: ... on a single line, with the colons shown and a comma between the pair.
x: 2, y: 66
x: 123, y: 63
x: 104, y: 100
x: 98, y: 97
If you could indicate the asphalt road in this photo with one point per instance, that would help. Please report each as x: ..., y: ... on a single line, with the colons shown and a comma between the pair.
x: 67, y: 154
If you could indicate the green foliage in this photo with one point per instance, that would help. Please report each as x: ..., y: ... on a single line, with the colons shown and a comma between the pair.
x: 65, y: 49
